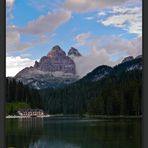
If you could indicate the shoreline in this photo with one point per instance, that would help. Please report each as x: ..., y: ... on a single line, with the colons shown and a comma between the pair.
x: 18, y: 117
x: 77, y: 117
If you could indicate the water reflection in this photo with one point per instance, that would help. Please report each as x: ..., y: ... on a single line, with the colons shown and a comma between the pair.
x: 53, y: 144
x: 30, y: 123
x: 21, y: 132
x: 46, y: 133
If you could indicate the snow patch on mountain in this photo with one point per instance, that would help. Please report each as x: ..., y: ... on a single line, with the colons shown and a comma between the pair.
x: 135, y: 67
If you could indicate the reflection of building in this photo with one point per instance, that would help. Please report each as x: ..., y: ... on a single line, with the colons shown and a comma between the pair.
x: 30, y: 112
x: 30, y: 123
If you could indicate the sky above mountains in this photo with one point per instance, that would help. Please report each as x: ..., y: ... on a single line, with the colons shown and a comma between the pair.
x: 104, y: 31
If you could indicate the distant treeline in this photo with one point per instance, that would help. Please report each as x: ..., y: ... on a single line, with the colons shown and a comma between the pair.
x: 20, y: 96
x: 114, y: 95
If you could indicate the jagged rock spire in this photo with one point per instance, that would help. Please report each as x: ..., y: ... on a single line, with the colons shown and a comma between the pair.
x: 74, y: 52
x: 56, y: 51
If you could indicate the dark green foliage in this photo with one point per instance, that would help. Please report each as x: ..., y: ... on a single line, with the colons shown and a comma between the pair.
x: 114, y: 95
x: 11, y: 108
x: 17, y: 92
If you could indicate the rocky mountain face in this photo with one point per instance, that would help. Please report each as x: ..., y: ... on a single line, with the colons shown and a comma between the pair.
x: 74, y: 52
x: 56, y: 60
x: 54, y: 70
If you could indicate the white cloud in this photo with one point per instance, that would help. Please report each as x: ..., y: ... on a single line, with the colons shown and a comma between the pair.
x: 15, y: 64
x: 116, y: 44
x: 81, y: 38
x: 14, y: 43
x: 87, y: 63
x: 10, y: 3
x: 89, y: 18
x: 101, y: 13
x: 41, y: 28
x: 26, y: 55
x: 47, y: 24
x: 91, y: 5
x: 129, y: 10
x: 124, y: 14
x: 136, y: 47
x: 45, y: 5
x: 129, y: 19
x: 9, y: 9
x: 105, y: 50
x: 12, y: 36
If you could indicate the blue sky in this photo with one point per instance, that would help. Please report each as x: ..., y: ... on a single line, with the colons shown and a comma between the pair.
x: 92, y: 26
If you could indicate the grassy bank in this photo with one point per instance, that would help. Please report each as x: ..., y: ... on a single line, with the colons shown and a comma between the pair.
x: 11, y: 108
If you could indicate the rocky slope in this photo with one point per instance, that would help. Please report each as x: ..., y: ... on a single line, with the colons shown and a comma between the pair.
x: 56, y: 60
x: 73, y: 52
x: 127, y: 64
x: 54, y: 70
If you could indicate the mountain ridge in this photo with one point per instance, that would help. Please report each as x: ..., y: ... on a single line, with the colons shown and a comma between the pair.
x: 58, y: 69
x: 104, y: 70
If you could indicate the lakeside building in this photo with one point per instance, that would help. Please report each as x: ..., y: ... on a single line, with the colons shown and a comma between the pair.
x: 30, y: 112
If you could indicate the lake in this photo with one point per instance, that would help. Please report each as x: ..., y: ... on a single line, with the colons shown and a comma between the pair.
x: 73, y: 133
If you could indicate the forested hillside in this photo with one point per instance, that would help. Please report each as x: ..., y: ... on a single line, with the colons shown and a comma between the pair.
x: 112, y: 95
x: 104, y: 91
x: 20, y: 96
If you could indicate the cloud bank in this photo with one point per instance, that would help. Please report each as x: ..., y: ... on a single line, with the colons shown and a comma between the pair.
x: 9, y: 9
x: 14, y: 43
x: 47, y: 24
x: 105, y: 50
x: 15, y: 64
x: 9, y: 3
x: 129, y: 19
x: 91, y: 5
x: 42, y: 28
x: 89, y: 62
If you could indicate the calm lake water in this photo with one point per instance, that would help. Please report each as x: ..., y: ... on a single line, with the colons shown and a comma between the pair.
x: 63, y: 133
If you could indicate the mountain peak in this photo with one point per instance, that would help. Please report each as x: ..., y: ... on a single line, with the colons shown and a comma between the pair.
x: 74, y: 52
x: 56, y: 47
x: 139, y: 56
x: 56, y: 51
x: 126, y: 59
x: 54, y: 70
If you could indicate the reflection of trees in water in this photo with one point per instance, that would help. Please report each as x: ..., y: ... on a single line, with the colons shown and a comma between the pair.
x: 42, y: 143
x: 21, y: 132
x: 110, y: 134
x: 34, y: 132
